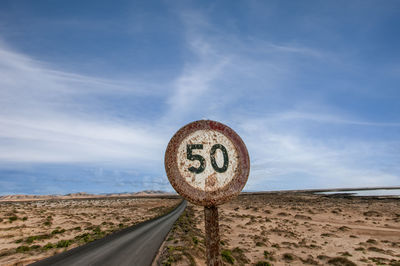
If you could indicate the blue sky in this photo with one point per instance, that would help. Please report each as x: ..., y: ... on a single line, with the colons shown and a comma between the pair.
x: 91, y: 92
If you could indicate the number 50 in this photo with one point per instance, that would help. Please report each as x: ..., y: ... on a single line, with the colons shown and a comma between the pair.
x: 197, y: 157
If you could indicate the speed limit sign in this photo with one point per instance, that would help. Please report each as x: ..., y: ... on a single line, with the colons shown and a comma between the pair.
x: 207, y: 163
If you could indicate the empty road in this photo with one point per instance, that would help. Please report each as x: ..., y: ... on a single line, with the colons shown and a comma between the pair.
x: 135, y: 245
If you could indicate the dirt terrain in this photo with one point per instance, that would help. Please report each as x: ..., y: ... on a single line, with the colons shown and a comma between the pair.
x: 33, y: 230
x: 292, y: 229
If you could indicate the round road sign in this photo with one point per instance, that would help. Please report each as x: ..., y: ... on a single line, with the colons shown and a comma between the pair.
x: 207, y: 163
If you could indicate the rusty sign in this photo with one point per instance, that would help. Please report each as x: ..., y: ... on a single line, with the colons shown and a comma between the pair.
x: 207, y: 163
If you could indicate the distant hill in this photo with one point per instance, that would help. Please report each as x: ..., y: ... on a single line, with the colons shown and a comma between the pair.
x: 151, y: 192
x: 81, y: 195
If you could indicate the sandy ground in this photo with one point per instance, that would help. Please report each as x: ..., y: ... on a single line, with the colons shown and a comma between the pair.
x: 33, y: 230
x: 292, y: 229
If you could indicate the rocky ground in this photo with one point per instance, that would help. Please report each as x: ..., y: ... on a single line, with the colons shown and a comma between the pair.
x: 33, y: 230
x: 292, y: 229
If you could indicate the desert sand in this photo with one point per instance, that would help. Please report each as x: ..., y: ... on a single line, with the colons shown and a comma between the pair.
x: 292, y: 229
x: 33, y: 228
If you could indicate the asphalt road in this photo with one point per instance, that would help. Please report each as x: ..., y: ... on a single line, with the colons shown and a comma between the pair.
x: 137, y: 245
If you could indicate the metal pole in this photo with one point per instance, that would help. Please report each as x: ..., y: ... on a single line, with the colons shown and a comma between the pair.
x: 212, y: 236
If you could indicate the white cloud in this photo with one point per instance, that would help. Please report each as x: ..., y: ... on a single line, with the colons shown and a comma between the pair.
x: 194, y: 88
x: 327, y: 118
x: 193, y: 85
x: 46, y: 116
x: 76, y: 140
x: 280, y: 154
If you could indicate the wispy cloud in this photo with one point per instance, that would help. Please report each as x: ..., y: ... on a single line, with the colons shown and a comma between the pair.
x: 76, y: 140
x: 328, y: 118
x: 194, y: 88
x: 283, y: 157
x: 47, y: 116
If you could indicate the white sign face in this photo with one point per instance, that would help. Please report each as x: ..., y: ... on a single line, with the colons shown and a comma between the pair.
x: 207, y: 160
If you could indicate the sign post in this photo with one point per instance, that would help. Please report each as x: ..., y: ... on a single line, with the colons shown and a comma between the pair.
x: 207, y: 163
x: 212, y: 235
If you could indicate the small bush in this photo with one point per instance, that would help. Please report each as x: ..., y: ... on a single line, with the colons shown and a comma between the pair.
x: 48, y: 246
x: 372, y: 214
x: 259, y: 244
x: 275, y: 246
x: 340, y: 261
x: 63, y: 243
x: 227, y: 256
x: 30, y: 239
x: 12, y: 218
x: 85, y: 237
x: 57, y: 231
x: 302, y: 217
x: 269, y: 256
x: 375, y: 249
x: 23, y: 248
x: 287, y: 256
x: 263, y: 263
x: 239, y: 255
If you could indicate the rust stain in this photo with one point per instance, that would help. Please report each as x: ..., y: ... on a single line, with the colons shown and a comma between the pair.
x: 211, y: 180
